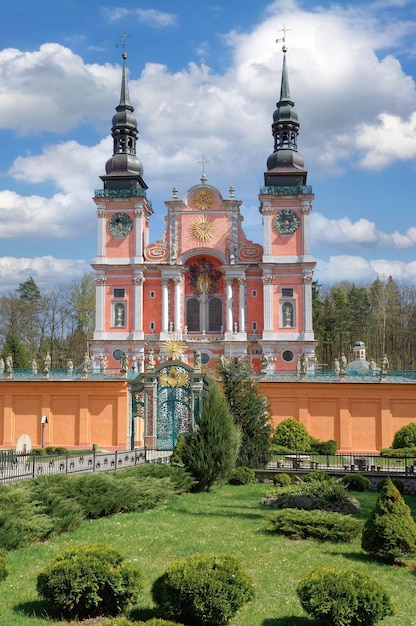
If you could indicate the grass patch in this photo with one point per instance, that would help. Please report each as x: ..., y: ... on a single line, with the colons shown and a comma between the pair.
x: 229, y: 521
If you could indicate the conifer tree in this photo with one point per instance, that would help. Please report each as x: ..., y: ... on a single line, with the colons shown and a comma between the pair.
x: 250, y: 412
x: 211, y: 450
x: 390, y: 532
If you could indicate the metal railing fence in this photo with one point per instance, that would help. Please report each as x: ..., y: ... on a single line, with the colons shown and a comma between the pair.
x: 345, y: 463
x: 14, y: 467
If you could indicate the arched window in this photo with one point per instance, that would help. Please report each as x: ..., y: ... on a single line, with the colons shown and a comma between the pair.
x: 214, y: 315
x: 193, y: 315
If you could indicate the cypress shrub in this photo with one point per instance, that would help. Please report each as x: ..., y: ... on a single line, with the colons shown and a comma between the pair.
x: 211, y: 451
x: 242, y: 476
x: 390, y: 532
x: 396, y: 482
x: 343, y: 598
x: 356, y: 482
x: 181, y: 479
x: 315, y: 524
x: 89, y: 580
x: 203, y: 589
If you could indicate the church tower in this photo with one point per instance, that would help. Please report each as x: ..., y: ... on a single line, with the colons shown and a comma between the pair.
x: 287, y: 266
x: 123, y: 213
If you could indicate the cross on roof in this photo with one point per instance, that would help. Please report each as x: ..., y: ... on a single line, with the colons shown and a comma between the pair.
x: 284, y: 31
x: 203, y: 164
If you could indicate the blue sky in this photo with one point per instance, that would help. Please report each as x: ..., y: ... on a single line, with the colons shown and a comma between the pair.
x: 204, y: 80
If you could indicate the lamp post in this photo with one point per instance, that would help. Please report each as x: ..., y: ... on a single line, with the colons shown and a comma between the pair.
x: 43, y: 422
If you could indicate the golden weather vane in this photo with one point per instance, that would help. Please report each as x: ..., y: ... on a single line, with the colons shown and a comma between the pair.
x: 284, y: 30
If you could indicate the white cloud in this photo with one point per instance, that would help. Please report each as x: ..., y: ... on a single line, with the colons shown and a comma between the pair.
x: 151, y: 17
x: 46, y: 271
x: 389, y: 140
x: 343, y: 233
x: 52, y: 89
x: 359, y: 270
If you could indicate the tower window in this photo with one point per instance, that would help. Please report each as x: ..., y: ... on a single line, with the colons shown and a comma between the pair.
x: 118, y: 293
x: 254, y: 326
x: 287, y: 292
x: 288, y: 356
x: 152, y: 325
x: 254, y: 293
x: 152, y: 294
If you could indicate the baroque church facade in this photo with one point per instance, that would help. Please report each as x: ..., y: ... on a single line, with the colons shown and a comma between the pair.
x: 204, y: 284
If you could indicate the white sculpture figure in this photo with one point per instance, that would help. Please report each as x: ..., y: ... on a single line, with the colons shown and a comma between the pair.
x: 47, y: 363
x: 124, y: 363
x: 264, y: 363
x: 69, y: 366
x: 197, y: 360
x: 34, y: 367
x: 151, y: 359
x: 86, y: 363
x: 343, y: 365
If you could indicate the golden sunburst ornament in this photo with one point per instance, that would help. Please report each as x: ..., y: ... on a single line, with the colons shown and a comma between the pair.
x: 203, y: 199
x: 202, y: 229
x: 173, y: 347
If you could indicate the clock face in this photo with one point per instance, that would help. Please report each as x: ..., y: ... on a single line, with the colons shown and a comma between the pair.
x: 286, y: 222
x: 120, y: 225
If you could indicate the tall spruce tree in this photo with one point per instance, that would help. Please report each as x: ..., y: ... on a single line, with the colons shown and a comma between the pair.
x: 250, y: 412
x: 211, y: 450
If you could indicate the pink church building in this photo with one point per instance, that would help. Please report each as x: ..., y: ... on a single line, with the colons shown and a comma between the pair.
x: 204, y: 282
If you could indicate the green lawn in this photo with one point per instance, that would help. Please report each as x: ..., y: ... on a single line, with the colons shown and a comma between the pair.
x: 229, y: 520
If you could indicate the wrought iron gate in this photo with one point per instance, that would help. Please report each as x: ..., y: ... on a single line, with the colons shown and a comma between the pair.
x: 169, y: 399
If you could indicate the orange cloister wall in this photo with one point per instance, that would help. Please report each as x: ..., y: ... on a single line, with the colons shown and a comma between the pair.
x: 361, y: 417
x: 79, y: 413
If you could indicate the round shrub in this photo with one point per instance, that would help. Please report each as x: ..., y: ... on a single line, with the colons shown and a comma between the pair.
x: 405, y: 437
x: 156, y: 621
x: 356, y: 482
x: 282, y: 479
x: 396, y: 482
x: 343, y: 598
x: 203, y: 589
x: 89, y: 580
x: 292, y: 435
x: 316, y: 475
x: 242, y: 476
x: 4, y: 569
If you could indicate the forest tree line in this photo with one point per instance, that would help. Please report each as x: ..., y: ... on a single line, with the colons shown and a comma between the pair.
x: 382, y: 315
x: 60, y: 320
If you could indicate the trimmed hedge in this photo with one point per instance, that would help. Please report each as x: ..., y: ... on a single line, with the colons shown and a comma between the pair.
x: 242, y: 476
x: 89, y: 580
x: 343, y: 598
x: 315, y: 524
x: 356, y: 482
x: 203, y: 589
x: 123, y: 621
